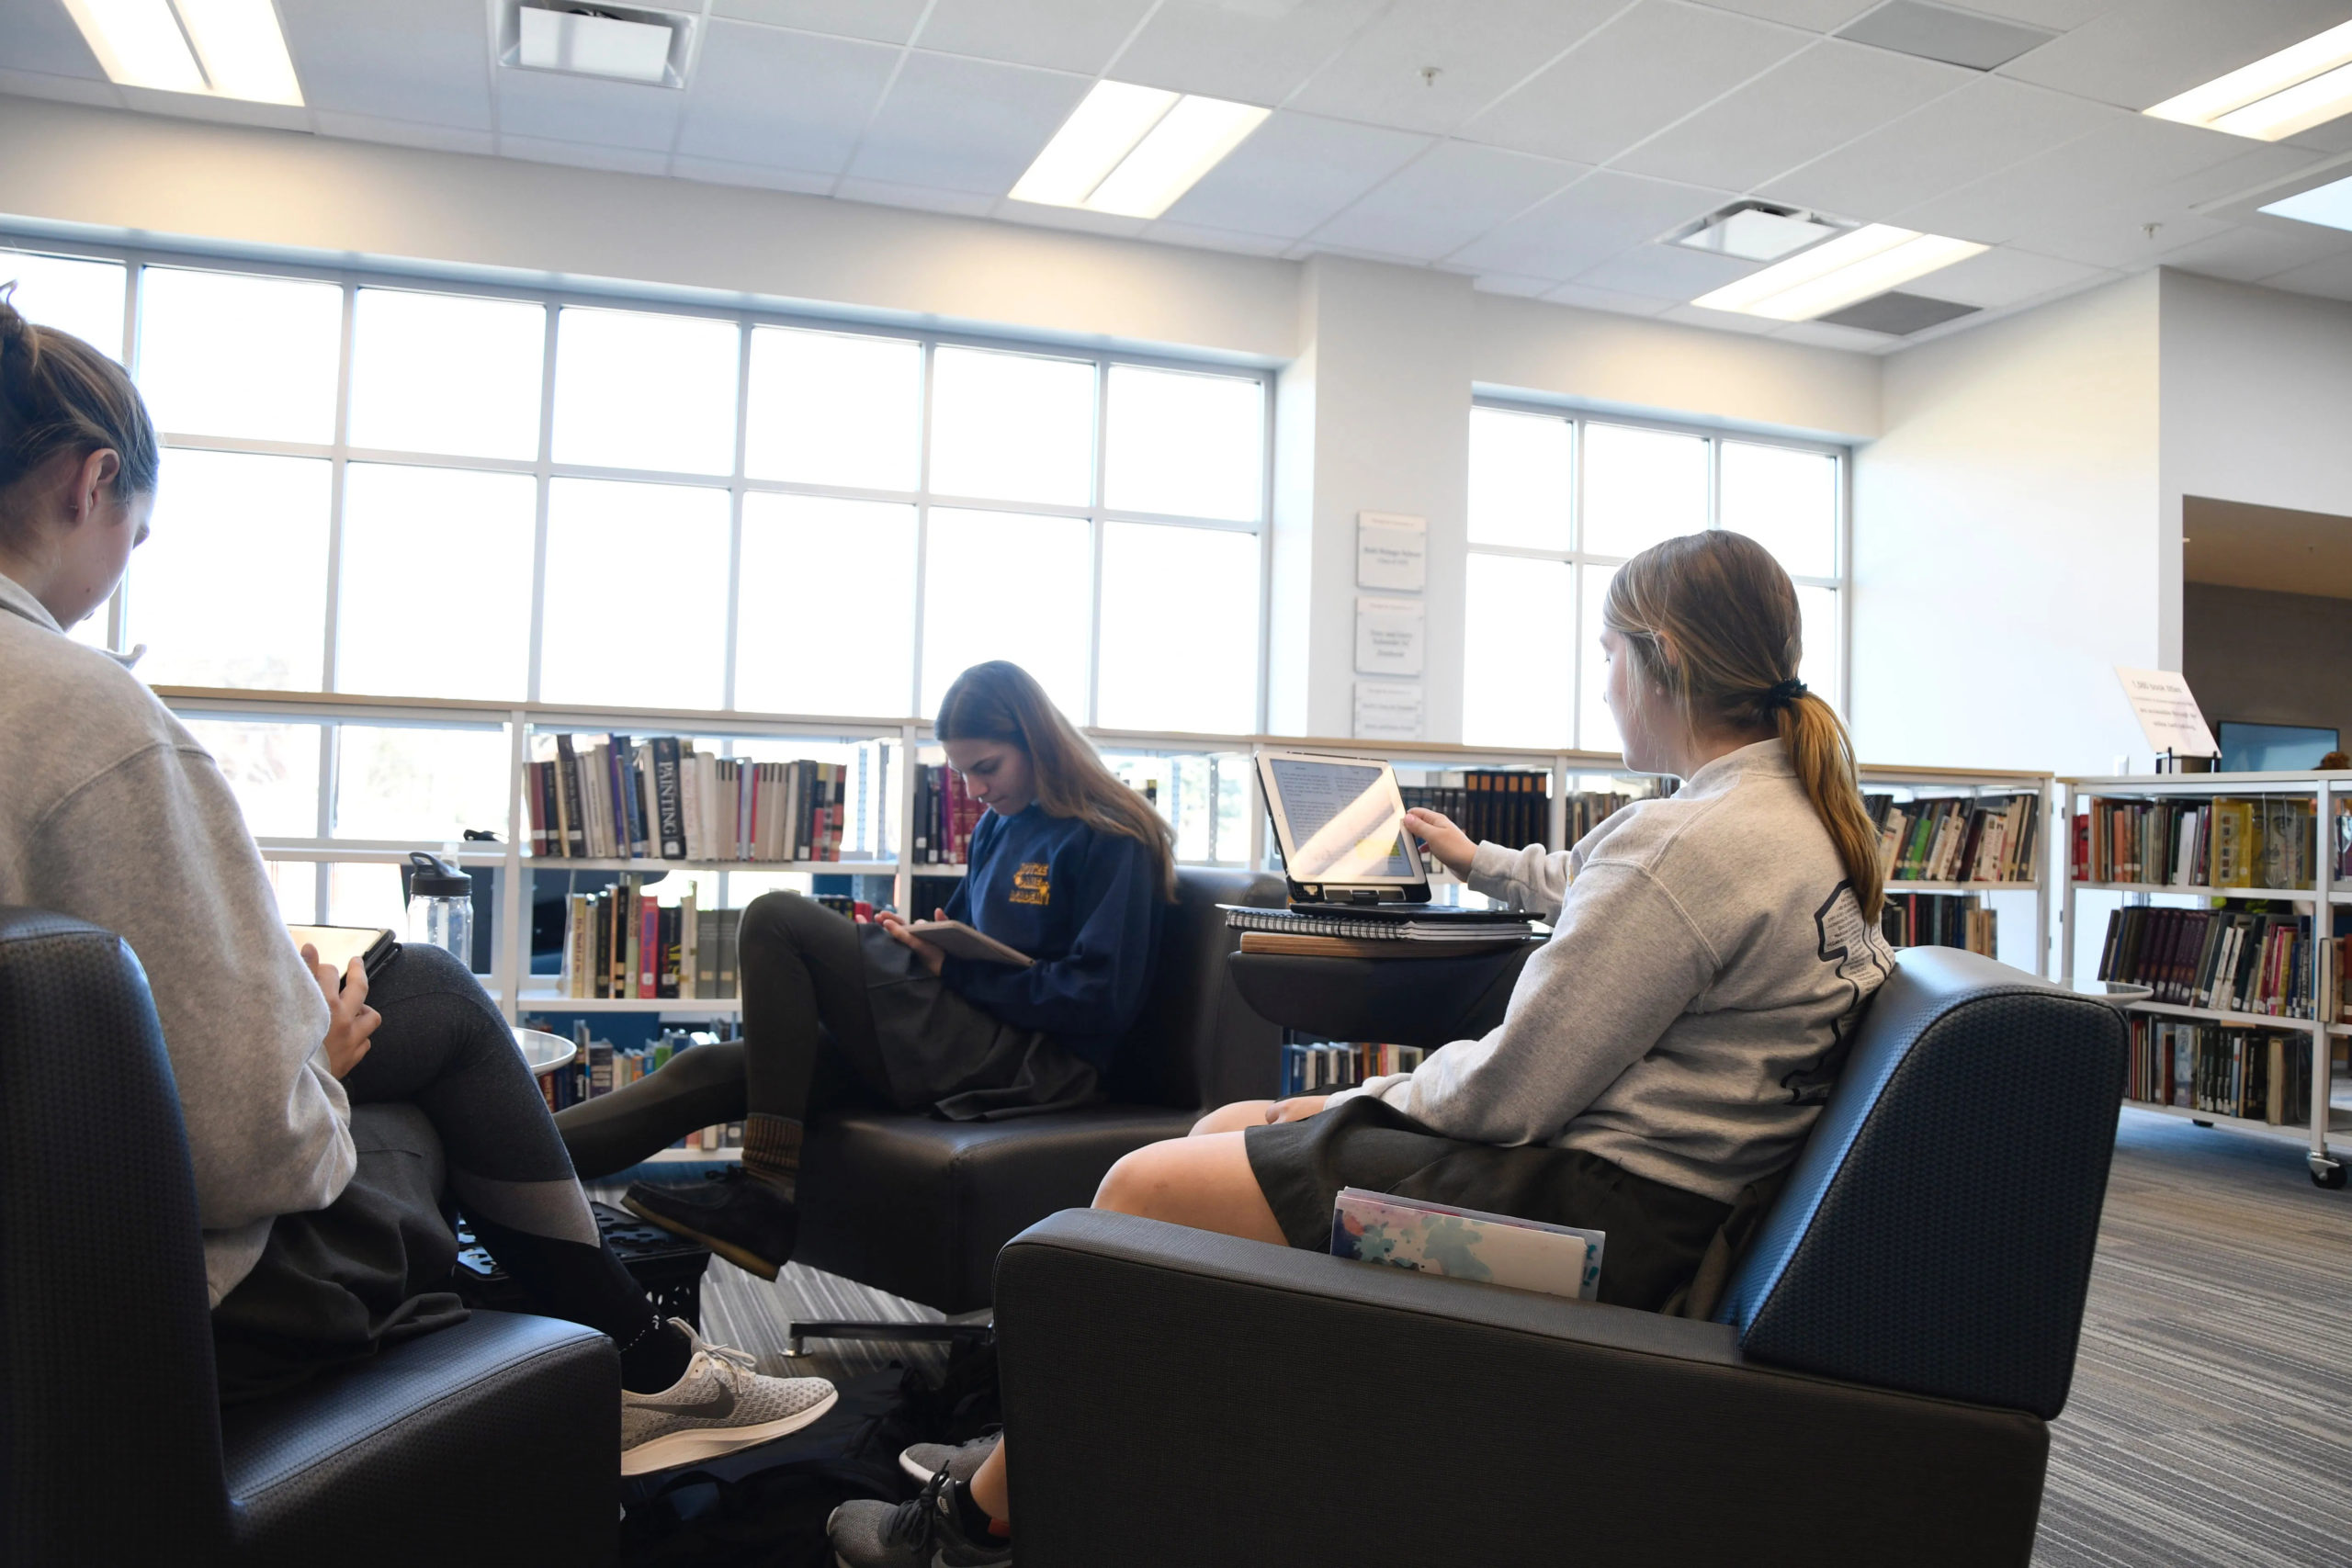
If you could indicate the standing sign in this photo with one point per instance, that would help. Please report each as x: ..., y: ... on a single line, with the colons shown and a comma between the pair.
x: 2167, y: 712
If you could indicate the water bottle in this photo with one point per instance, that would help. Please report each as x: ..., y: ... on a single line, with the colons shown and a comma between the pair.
x: 441, y: 906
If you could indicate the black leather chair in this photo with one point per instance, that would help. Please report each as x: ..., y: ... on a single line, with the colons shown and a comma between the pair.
x: 495, y: 1440
x: 920, y: 1207
x: 1874, y: 1388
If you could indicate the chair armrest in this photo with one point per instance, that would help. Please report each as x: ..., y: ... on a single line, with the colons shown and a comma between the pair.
x: 1175, y: 1397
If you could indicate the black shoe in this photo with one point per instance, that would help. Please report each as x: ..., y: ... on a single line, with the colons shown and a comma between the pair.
x: 741, y: 1218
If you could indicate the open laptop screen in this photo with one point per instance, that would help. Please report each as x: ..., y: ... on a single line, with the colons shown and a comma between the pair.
x: 1338, y: 822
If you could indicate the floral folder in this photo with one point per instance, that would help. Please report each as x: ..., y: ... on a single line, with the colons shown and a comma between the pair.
x: 1464, y: 1244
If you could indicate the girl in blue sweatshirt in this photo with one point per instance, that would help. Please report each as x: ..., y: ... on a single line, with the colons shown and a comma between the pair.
x: 1068, y: 865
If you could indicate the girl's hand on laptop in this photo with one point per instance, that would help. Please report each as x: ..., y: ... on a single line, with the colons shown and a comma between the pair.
x: 1448, y: 843
x: 350, y: 1020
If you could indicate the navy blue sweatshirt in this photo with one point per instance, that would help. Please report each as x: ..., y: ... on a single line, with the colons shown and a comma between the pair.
x: 1085, y: 905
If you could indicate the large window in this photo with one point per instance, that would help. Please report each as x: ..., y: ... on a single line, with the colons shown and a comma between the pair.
x: 1558, y: 501
x: 406, y: 490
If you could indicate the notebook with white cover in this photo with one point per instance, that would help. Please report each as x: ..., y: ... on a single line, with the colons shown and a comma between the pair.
x: 1466, y: 1243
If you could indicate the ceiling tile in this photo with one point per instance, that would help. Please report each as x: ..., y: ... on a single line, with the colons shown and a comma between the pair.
x: 1987, y: 125
x: 1821, y: 334
x: 404, y: 133
x: 1480, y: 49
x: 887, y: 193
x: 425, y: 61
x: 1632, y: 79
x: 969, y: 125
x: 1039, y: 216
x: 1507, y: 283
x: 1802, y: 108
x: 884, y: 21
x: 2144, y: 52
x: 759, y: 176
x: 581, y: 155
x: 1586, y: 223
x: 2117, y: 241
x: 1720, y: 321
x: 222, y: 111
x: 41, y: 36
x: 1250, y: 53
x: 1588, y: 298
x: 2002, y: 276
x: 1295, y: 173
x: 94, y: 90
x: 1668, y: 272
x: 2120, y: 171
x: 2251, y: 254
x: 546, y: 106
x: 1445, y: 199
x: 790, y: 100
x: 1201, y: 239
x: 2330, y: 280
x: 2058, y: 15
x: 1814, y: 15
x: 1066, y: 35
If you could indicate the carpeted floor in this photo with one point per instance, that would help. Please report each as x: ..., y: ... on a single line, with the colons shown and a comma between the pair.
x: 2211, y: 1415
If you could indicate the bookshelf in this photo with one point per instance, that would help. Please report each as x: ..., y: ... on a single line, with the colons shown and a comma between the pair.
x: 1207, y: 785
x: 2329, y: 795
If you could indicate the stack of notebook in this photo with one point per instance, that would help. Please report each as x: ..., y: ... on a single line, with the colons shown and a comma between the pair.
x: 1335, y: 933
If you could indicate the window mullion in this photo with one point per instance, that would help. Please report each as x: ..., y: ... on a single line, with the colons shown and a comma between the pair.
x: 1094, y: 538
x: 735, y: 511
x: 543, y: 473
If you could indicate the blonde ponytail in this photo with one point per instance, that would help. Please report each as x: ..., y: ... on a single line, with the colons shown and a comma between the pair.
x: 1712, y: 620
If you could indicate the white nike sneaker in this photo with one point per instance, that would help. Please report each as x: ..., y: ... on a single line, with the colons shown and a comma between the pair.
x: 720, y: 1405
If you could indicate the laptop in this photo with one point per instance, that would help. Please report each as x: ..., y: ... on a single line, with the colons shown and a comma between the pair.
x: 1340, y: 827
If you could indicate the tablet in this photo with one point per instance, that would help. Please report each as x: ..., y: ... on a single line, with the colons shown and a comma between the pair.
x: 1340, y: 821
x: 338, y: 945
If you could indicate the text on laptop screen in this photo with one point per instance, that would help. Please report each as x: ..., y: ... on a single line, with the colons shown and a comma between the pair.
x: 1346, y: 822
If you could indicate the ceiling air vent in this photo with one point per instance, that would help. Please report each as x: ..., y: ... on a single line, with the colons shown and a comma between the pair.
x: 615, y: 42
x: 1897, y: 314
x: 1757, y: 230
x: 1939, y: 32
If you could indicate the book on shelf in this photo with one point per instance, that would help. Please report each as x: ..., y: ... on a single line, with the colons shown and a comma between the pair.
x: 616, y: 798
x: 944, y: 817
x: 2229, y: 960
x: 1326, y: 1067
x: 1939, y: 920
x: 2267, y: 842
x: 623, y: 941
x: 1957, y: 838
x: 1502, y: 806
x: 1466, y: 1243
x: 599, y: 1067
x: 2260, y: 1075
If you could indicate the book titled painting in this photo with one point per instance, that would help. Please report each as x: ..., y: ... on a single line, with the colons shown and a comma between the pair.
x: 1466, y: 1243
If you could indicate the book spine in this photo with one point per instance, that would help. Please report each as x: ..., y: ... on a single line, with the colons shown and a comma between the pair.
x: 672, y: 926
x: 648, y: 948
x: 706, y: 954
x: 728, y: 921
x: 689, y: 935
x: 575, y: 836
x: 669, y: 809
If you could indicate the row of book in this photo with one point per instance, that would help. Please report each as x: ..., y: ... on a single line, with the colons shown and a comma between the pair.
x: 2198, y: 843
x: 2260, y: 1075
x: 615, y: 798
x: 1956, y: 838
x: 1328, y: 1067
x: 623, y: 941
x: 2229, y: 960
x: 1940, y: 920
x: 600, y: 1067
x: 944, y: 817
x: 1498, y: 805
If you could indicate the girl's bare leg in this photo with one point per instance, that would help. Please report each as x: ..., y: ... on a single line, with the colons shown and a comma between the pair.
x: 1233, y: 1118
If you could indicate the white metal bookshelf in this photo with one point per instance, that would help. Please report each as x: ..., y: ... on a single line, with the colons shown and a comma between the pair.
x: 2327, y: 890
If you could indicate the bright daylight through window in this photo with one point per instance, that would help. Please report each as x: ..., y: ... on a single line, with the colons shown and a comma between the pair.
x: 1558, y: 501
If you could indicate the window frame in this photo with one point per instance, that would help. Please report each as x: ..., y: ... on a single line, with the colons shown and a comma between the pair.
x: 1575, y: 556
x: 341, y: 453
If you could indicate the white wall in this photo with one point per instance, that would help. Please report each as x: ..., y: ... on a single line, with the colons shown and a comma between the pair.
x: 2007, y: 541
x: 2255, y: 407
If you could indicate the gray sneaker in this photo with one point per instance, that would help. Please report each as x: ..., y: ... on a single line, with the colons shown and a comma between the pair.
x: 922, y: 1533
x: 923, y: 1461
x: 720, y: 1405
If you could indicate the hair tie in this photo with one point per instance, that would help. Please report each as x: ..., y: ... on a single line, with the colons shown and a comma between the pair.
x: 1784, y: 695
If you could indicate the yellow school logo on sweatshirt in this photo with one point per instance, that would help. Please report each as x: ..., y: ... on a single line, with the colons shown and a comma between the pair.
x: 1029, y: 884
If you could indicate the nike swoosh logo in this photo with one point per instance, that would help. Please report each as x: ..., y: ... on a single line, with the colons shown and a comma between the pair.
x: 721, y: 1402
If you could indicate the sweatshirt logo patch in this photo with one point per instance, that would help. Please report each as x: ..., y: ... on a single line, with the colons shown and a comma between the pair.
x: 1845, y: 939
x: 1030, y: 885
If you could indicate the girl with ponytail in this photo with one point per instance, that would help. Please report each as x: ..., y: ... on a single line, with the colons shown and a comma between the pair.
x: 1665, y: 1054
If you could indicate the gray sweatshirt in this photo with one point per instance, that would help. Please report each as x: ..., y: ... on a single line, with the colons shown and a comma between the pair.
x: 111, y: 811
x: 1707, y: 965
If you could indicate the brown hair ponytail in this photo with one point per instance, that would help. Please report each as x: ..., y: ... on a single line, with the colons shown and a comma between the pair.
x: 1000, y: 701
x: 58, y: 394
x: 1712, y: 620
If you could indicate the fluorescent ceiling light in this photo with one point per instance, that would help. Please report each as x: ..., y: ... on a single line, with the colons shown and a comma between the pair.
x: 1133, y: 150
x: 1855, y: 266
x: 2328, y: 204
x: 2302, y: 85
x: 223, y: 49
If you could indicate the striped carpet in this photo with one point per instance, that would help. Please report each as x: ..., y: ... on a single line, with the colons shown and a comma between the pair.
x: 2211, y: 1415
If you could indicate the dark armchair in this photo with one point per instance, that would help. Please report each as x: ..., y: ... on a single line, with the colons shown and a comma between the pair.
x: 1874, y: 1388
x: 497, y: 1440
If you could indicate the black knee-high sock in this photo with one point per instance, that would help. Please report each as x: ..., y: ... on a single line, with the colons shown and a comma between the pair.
x: 588, y: 1285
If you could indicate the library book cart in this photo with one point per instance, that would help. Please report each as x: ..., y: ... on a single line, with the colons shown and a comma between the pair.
x: 2209, y: 844
x: 338, y: 789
